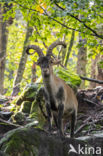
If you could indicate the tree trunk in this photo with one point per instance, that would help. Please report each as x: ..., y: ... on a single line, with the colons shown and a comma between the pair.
x: 82, y: 59
x: 70, y: 47
x: 23, y: 60
x: 62, y: 51
x: 94, y: 71
x: 100, y: 69
x: 33, y: 77
x: 3, y: 46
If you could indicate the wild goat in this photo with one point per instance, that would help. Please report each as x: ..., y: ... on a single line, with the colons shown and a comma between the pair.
x: 59, y: 97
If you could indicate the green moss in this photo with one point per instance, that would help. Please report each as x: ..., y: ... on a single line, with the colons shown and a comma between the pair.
x: 25, y: 107
x: 28, y: 94
x: 36, y: 112
x: 26, y: 153
x: 98, y: 126
x: 14, y: 145
x: 87, y: 127
x: 17, y: 143
x: 34, y: 107
x: 18, y: 117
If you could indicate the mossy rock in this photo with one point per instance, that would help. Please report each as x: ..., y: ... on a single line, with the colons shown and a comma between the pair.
x: 35, y: 142
x: 28, y: 94
x: 20, y: 143
x: 35, y: 107
x: 26, y: 107
x: 19, y: 118
x: 3, y: 154
x: 37, y: 114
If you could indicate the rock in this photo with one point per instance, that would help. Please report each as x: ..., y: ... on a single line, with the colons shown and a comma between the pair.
x: 2, y: 154
x: 36, y: 113
x: 36, y: 142
x: 28, y: 94
x: 6, y: 126
x: 94, y: 140
x: 19, y: 118
x: 27, y: 141
x: 35, y: 108
x: 5, y: 115
x: 26, y: 107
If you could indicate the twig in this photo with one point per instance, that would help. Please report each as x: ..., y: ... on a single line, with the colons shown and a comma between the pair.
x: 40, y: 36
x: 91, y: 102
x: 83, y: 125
x: 9, y: 123
x: 86, y: 122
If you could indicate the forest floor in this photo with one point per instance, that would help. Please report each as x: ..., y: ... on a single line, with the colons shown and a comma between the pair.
x: 89, y: 120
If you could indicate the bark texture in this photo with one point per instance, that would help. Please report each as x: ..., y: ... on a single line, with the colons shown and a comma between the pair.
x: 3, y: 46
x: 82, y: 59
x: 33, y: 77
x: 100, y: 69
x: 23, y: 60
x: 94, y: 71
x: 70, y: 47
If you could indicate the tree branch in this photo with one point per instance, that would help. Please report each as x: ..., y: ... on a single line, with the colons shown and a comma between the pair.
x: 48, y: 16
x: 40, y: 36
x: 8, y: 123
x: 75, y: 17
x: 83, y: 125
x: 94, y: 33
x: 92, y: 80
x: 90, y: 102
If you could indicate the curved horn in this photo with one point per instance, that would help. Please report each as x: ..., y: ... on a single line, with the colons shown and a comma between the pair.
x: 53, y: 45
x: 36, y: 48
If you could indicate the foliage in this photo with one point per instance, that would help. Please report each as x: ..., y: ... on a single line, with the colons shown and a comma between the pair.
x: 69, y: 77
x: 50, y: 21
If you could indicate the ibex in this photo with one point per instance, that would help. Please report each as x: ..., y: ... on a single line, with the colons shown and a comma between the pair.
x: 59, y: 97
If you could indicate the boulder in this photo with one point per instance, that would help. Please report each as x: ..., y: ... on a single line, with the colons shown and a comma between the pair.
x: 35, y: 142
x: 29, y: 141
x: 28, y: 94
x: 19, y: 118
x: 26, y: 107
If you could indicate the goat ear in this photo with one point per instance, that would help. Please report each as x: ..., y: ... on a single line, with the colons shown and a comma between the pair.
x: 56, y: 62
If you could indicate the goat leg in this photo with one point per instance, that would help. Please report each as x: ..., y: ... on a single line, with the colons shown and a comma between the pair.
x: 60, y: 115
x: 73, y: 121
x: 49, y: 117
x: 55, y: 120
